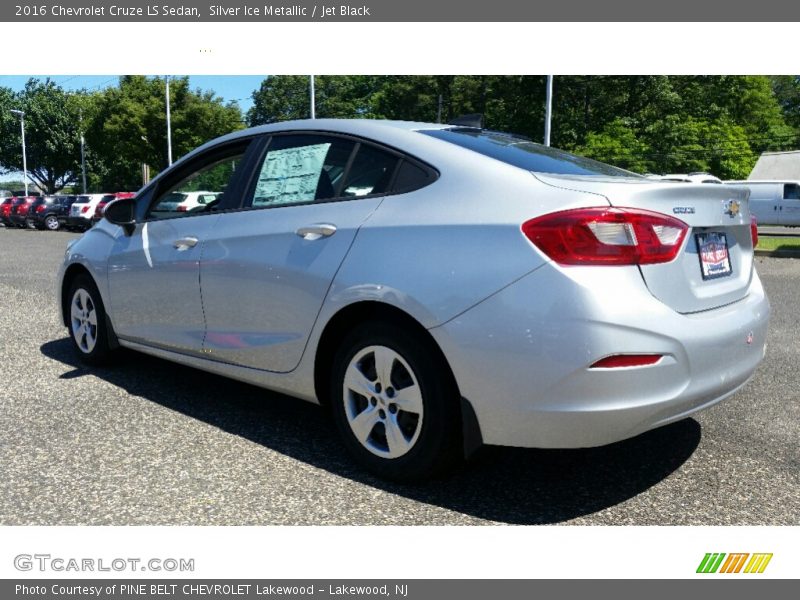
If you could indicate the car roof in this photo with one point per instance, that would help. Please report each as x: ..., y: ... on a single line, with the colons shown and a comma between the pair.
x: 361, y: 127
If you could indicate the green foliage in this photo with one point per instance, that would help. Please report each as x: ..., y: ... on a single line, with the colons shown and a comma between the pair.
x: 617, y: 144
x: 52, y: 136
x: 645, y: 123
x: 128, y: 127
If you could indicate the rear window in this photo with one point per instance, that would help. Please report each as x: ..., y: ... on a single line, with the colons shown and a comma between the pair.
x: 525, y: 154
x: 82, y: 199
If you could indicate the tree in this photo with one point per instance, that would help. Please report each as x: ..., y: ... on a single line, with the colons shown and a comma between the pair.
x: 288, y: 97
x: 618, y: 145
x: 128, y: 127
x: 52, y: 134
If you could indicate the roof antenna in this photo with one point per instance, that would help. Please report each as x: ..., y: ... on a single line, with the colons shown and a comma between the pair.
x: 474, y: 120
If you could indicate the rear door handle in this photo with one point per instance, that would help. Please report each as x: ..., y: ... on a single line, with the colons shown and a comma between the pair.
x: 185, y: 243
x: 315, y: 232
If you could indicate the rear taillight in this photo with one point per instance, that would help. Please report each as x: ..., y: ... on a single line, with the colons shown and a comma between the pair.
x: 40, y: 208
x: 754, y: 230
x: 181, y: 208
x: 85, y: 209
x: 621, y: 361
x: 607, y: 236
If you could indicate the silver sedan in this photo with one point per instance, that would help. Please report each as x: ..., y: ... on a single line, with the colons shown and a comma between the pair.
x: 437, y: 287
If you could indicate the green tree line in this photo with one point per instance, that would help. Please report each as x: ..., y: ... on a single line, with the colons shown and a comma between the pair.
x: 645, y: 123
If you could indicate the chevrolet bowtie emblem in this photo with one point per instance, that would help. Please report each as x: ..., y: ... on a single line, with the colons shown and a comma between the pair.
x: 732, y: 208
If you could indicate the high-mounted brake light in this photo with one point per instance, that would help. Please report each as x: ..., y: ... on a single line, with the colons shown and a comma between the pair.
x: 754, y: 230
x: 607, y: 236
x: 619, y: 361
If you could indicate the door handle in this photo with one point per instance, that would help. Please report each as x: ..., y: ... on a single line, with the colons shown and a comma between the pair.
x: 315, y: 232
x: 185, y: 243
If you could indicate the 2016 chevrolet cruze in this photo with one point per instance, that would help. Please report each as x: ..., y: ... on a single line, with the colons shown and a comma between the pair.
x: 437, y: 287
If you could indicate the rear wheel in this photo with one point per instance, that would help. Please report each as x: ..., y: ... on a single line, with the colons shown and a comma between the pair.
x: 87, y: 321
x: 51, y: 222
x: 395, y: 403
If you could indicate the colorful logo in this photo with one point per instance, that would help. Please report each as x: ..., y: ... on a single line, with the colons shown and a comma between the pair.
x: 734, y: 563
x: 732, y: 208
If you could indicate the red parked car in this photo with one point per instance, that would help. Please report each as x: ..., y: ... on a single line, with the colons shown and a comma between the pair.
x: 98, y: 211
x: 5, y: 210
x: 19, y: 211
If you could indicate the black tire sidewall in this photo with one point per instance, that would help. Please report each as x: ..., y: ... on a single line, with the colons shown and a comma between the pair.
x: 101, y: 351
x: 437, y: 447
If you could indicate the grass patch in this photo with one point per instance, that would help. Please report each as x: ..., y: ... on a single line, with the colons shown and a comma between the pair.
x: 766, y: 242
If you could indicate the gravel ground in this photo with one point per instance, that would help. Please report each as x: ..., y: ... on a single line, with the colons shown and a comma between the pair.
x: 150, y: 442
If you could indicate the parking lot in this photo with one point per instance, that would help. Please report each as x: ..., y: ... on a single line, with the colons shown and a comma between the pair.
x: 149, y: 442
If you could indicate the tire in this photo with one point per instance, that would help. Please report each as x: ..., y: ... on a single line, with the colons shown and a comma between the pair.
x: 51, y: 223
x: 86, y: 315
x: 404, y: 421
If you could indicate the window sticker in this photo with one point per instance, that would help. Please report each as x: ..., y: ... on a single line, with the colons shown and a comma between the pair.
x: 291, y: 175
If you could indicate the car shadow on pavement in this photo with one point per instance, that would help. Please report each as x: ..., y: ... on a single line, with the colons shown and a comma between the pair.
x: 511, y: 485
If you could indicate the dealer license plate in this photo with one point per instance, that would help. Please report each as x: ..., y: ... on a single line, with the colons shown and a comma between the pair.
x: 715, y: 260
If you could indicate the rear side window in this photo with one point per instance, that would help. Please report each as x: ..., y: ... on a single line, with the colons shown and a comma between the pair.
x: 371, y: 172
x: 525, y: 154
x: 411, y: 177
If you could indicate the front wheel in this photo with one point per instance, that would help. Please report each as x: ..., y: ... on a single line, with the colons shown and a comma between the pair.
x: 395, y: 403
x: 87, y: 321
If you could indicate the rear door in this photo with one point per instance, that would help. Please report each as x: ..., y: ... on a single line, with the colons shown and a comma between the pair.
x: 154, y: 273
x: 267, y: 268
x: 716, y: 263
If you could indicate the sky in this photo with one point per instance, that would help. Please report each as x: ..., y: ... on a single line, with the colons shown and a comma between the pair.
x: 229, y: 87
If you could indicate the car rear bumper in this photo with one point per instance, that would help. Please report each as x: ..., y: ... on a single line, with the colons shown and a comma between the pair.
x: 522, y: 357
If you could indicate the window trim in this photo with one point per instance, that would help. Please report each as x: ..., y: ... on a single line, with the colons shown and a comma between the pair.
x: 154, y: 193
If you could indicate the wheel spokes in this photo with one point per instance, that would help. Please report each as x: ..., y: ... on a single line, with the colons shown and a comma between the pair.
x: 364, y: 423
x: 384, y: 363
x: 395, y: 439
x: 357, y: 382
x: 409, y: 399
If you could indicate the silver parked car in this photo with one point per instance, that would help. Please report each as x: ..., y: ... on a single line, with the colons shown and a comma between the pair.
x: 437, y: 287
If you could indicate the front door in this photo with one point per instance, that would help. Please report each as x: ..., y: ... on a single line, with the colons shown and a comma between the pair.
x: 154, y: 272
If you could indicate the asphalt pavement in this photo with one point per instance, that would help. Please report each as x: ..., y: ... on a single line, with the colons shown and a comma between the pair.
x: 148, y: 442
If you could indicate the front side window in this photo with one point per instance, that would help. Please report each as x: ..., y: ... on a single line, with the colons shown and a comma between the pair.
x: 301, y: 168
x: 200, y: 190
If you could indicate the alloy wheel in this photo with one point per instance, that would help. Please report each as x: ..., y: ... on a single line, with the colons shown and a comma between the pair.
x: 383, y: 402
x: 83, y: 315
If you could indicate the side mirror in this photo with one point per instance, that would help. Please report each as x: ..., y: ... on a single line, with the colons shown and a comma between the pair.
x: 122, y: 212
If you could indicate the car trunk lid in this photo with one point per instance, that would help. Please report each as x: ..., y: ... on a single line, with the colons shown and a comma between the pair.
x: 715, y: 265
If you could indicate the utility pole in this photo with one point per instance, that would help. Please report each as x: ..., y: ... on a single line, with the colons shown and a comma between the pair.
x: 21, y: 116
x: 313, y: 100
x: 548, y: 110
x: 439, y: 110
x: 169, y: 128
x: 83, y: 152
